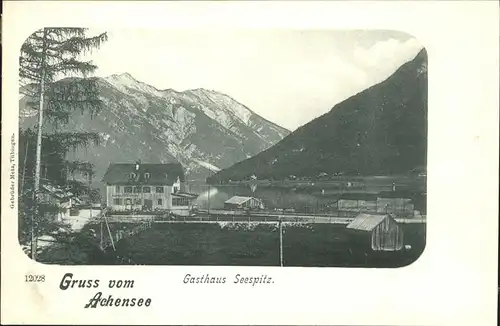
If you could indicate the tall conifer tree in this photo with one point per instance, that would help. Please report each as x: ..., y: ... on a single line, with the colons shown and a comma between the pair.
x: 46, y: 56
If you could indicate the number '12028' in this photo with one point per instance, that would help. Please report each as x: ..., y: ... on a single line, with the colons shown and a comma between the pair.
x: 34, y: 278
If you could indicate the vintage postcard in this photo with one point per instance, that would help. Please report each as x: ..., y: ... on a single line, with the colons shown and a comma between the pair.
x: 185, y: 166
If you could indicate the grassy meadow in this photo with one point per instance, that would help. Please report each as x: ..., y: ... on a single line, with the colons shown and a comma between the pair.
x: 243, y: 244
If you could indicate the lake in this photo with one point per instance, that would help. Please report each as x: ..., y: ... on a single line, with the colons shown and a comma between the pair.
x: 308, y: 196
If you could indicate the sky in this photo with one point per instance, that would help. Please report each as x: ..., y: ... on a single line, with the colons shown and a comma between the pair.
x: 287, y: 76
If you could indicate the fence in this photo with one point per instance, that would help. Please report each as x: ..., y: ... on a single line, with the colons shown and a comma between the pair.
x: 122, y: 234
x: 275, y: 218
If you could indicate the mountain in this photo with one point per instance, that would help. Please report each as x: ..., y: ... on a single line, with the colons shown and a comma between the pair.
x: 379, y: 131
x: 202, y: 129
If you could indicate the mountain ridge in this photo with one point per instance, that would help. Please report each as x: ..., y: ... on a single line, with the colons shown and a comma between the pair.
x: 356, y: 136
x: 193, y: 90
x: 202, y: 131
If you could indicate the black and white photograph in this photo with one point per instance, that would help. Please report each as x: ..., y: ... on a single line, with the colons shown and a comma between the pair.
x: 228, y: 148
x: 249, y: 162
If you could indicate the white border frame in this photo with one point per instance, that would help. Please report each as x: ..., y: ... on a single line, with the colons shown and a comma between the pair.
x: 453, y: 283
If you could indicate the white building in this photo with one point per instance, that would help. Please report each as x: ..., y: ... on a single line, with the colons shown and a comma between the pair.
x: 146, y: 187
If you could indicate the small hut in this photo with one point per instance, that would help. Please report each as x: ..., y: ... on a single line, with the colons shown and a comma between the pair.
x: 379, y: 232
x: 240, y: 202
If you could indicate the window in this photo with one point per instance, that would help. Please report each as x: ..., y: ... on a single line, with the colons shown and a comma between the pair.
x: 117, y: 189
x: 160, y: 201
x: 159, y: 190
x: 180, y: 202
x: 137, y: 190
x: 176, y: 189
x: 138, y: 201
x: 146, y: 190
x: 132, y: 175
x: 147, y: 175
x: 117, y: 201
x: 128, y: 190
x: 128, y: 201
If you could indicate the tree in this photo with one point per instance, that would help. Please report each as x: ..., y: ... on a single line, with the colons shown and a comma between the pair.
x: 47, y: 56
x: 56, y: 170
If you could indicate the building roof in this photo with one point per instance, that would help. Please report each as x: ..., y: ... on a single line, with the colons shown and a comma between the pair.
x: 58, y: 193
x: 159, y: 174
x: 355, y: 196
x: 366, y: 222
x: 394, y: 199
x: 184, y: 195
x: 238, y: 200
x: 55, y: 191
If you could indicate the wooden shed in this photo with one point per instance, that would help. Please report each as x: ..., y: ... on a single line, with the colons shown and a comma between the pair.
x: 379, y: 232
x: 240, y: 202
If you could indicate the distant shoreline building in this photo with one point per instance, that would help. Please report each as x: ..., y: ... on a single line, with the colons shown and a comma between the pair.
x: 146, y: 187
x: 241, y: 202
x: 375, y: 203
x: 54, y: 195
